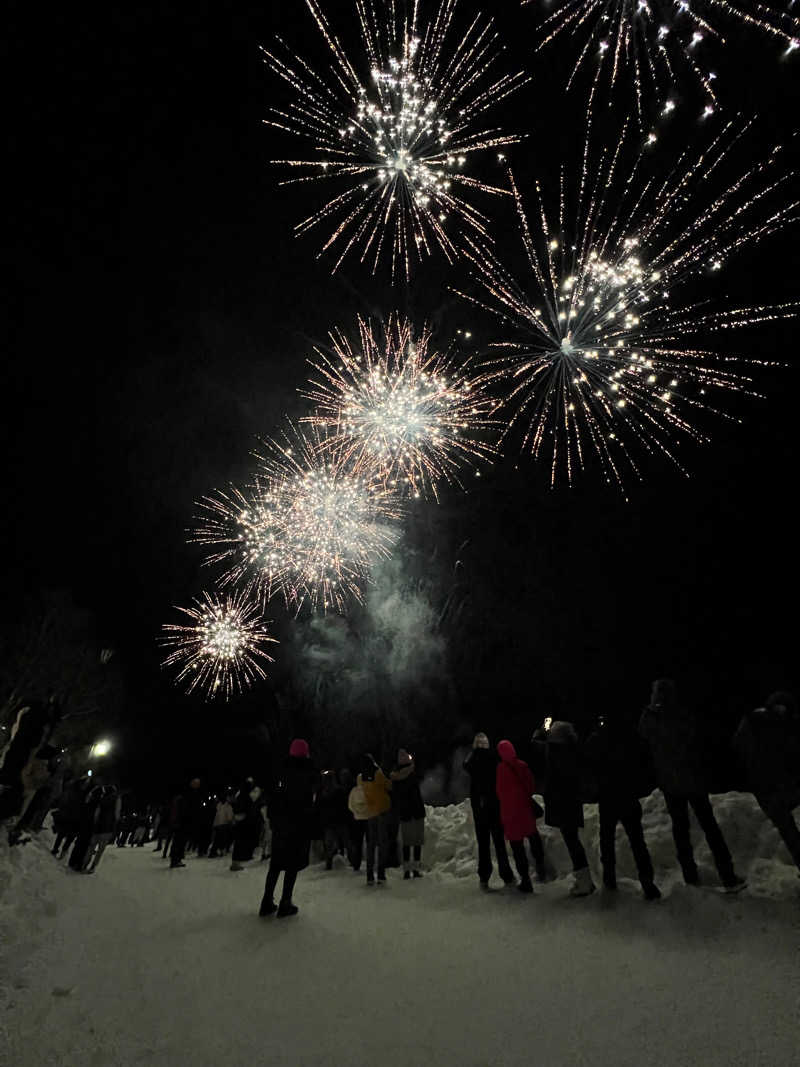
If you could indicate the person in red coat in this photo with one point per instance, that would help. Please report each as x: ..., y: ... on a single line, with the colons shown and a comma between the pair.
x: 515, y: 787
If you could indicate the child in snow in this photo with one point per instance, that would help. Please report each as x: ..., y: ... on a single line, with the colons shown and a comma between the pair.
x: 410, y: 811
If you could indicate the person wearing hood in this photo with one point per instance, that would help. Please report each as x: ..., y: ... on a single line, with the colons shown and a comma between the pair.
x: 481, y: 766
x: 563, y: 796
x: 515, y: 787
x: 767, y: 742
x: 622, y: 770
x: 375, y: 787
x: 291, y: 815
x: 187, y: 810
x: 410, y: 811
x: 673, y: 737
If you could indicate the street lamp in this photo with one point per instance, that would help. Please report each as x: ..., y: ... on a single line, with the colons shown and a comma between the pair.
x: 100, y: 748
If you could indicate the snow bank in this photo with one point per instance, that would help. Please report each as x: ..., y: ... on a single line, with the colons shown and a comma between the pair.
x: 757, y: 849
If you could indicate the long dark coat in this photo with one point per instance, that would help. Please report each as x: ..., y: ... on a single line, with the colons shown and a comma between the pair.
x: 291, y: 815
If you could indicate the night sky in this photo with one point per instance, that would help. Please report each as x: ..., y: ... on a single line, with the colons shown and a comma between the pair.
x: 160, y: 316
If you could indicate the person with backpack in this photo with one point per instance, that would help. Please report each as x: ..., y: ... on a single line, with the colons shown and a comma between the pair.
x: 673, y: 737
x: 515, y: 787
x: 375, y: 787
x: 291, y: 813
x: 767, y: 742
x: 623, y: 773
x: 410, y: 811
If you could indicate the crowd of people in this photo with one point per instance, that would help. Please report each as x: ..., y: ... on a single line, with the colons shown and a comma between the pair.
x: 376, y: 819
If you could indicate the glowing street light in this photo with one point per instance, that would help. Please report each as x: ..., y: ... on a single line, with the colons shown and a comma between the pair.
x: 100, y: 748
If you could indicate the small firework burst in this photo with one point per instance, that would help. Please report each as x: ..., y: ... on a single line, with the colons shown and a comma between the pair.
x: 393, y: 131
x: 394, y: 404
x: 338, y: 521
x: 656, y: 40
x: 222, y: 651
x: 610, y: 332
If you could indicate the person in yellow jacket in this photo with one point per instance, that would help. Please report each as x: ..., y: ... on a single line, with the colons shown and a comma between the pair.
x: 375, y: 788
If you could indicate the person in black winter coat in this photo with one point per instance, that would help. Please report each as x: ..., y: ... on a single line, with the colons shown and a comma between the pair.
x: 332, y: 813
x: 106, y: 817
x: 560, y: 758
x: 409, y: 808
x: 621, y: 767
x: 291, y: 814
x: 86, y: 823
x: 481, y: 766
x: 246, y: 824
x: 768, y: 745
x: 673, y: 737
x: 67, y: 816
x: 187, y: 813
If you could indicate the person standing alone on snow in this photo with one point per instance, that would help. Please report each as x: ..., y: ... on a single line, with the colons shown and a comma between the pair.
x: 673, y: 737
x: 410, y: 811
x: 291, y: 814
x: 768, y: 744
x: 481, y: 766
x: 375, y: 787
x: 515, y: 788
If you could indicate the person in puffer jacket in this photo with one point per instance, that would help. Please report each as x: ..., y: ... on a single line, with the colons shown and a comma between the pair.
x: 375, y: 787
x: 768, y: 743
x: 515, y: 788
x: 481, y: 766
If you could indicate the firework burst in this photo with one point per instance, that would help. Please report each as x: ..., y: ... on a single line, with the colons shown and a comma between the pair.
x: 656, y: 40
x: 223, y: 649
x: 609, y: 343
x: 394, y: 404
x: 393, y: 131
x: 310, y: 528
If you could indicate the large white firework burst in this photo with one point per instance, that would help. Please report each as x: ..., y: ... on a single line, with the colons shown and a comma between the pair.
x: 391, y: 131
x: 392, y: 403
x: 608, y: 343
x: 310, y: 528
x: 223, y: 648
x: 656, y: 41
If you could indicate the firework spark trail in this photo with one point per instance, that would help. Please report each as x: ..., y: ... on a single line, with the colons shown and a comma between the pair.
x: 394, y: 131
x: 607, y: 345
x: 223, y: 650
x: 656, y: 39
x: 309, y: 528
x: 394, y: 405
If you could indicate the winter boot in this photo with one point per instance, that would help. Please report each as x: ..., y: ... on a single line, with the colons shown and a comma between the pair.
x: 406, y: 875
x: 525, y: 885
x: 583, y: 885
x: 370, y: 878
x: 690, y: 874
x: 417, y: 872
x: 286, y: 908
x: 236, y: 866
x: 651, y: 891
x: 268, y: 906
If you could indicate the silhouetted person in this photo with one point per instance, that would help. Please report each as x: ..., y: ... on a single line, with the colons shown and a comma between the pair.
x: 563, y: 796
x: 332, y: 814
x: 481, y: 766
x: 410, y: 811
x: 186, y: 815
x: 622, y: 768
x: 768, y: 744
x: 291, y: 813
x: 673, y: 737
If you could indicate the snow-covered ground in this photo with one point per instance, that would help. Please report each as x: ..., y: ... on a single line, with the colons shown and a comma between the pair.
x: 141, y: 965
